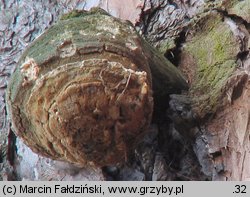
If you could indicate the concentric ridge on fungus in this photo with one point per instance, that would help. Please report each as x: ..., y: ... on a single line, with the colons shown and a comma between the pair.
x: 82, y: 91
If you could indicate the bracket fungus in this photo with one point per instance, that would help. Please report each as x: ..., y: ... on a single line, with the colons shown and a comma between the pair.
x: 82, y: 91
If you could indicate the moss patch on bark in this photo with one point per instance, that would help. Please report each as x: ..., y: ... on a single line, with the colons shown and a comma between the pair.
x: 214, y: 50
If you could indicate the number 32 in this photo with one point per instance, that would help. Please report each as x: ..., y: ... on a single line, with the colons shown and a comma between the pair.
x: 240, y: 189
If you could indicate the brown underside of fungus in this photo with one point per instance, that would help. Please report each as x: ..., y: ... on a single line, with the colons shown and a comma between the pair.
x: 82, y: 91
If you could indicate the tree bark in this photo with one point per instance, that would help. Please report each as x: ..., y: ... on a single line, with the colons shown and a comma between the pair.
x: 214, y: 58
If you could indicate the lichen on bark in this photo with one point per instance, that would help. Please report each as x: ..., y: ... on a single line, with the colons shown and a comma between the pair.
x: 215, y: 59
x: 214, y: 50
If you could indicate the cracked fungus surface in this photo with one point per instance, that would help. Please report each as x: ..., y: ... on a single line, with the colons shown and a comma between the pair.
x: 80, y: 95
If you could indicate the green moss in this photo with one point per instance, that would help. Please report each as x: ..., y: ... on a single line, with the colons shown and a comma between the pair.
x: 73, y: 14
x: 82, y: 13
x: 215, y: 51
x: 46, y: 46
